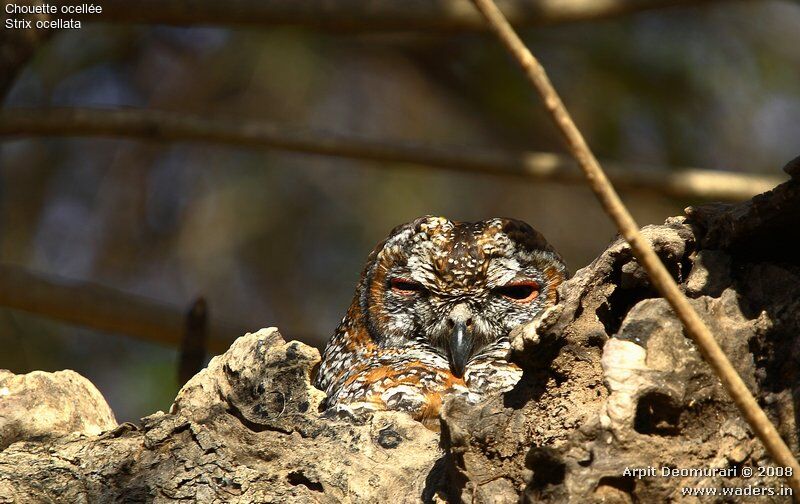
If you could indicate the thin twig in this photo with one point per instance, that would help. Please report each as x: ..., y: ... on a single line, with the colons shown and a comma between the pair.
x: 693, y: 184
x: 357, y: 15
x: 661, y: 278
x: 103, y: 308
x: 192, y: 352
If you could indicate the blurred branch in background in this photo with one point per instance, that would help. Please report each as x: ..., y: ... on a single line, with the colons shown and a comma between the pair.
x: 192, y: 355
x: 104, y: 309
x: 694, y: 184
x: 357, y: 15
x: 18, y: 46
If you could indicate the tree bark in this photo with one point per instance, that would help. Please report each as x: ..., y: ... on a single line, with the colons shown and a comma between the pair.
x: 610, y: 384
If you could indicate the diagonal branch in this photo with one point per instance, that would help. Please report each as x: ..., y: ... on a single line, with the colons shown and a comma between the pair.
x: 660, y: 277
x: 165, y: 126
x: 375, y: 15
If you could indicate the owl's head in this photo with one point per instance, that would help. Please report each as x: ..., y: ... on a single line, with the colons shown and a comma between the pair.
x: 457, y: 287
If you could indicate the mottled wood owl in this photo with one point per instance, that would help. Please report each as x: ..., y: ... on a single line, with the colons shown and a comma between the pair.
x: 432, y: 314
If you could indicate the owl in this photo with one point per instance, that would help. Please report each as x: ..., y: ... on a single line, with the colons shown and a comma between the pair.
x: 432, y: 313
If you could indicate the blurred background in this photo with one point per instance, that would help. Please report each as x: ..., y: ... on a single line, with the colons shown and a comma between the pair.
x: 276, y: 239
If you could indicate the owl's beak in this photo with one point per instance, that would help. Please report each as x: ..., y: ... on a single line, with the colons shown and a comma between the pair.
x: 460, y: 323
x: 460, y: 348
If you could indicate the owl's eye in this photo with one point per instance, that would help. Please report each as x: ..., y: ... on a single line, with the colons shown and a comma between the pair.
x: 521, y: 292
x: 405, y: 287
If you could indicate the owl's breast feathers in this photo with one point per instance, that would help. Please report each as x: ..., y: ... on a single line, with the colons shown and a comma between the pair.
x: 359, y: 376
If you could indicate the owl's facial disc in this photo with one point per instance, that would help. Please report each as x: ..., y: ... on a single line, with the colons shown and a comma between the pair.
x: 458, y: 288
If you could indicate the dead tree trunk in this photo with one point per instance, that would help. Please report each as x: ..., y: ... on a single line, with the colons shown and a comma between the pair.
x: 610, y: 384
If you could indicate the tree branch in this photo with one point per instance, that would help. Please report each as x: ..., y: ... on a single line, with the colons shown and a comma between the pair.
x: 165, y: 126
x: 642, y: 249
x: 376, y: 15
x: 192, y: 353
x: 103, y: 308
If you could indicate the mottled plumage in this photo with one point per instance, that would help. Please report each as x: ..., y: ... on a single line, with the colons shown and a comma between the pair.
x: 432, y: 313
